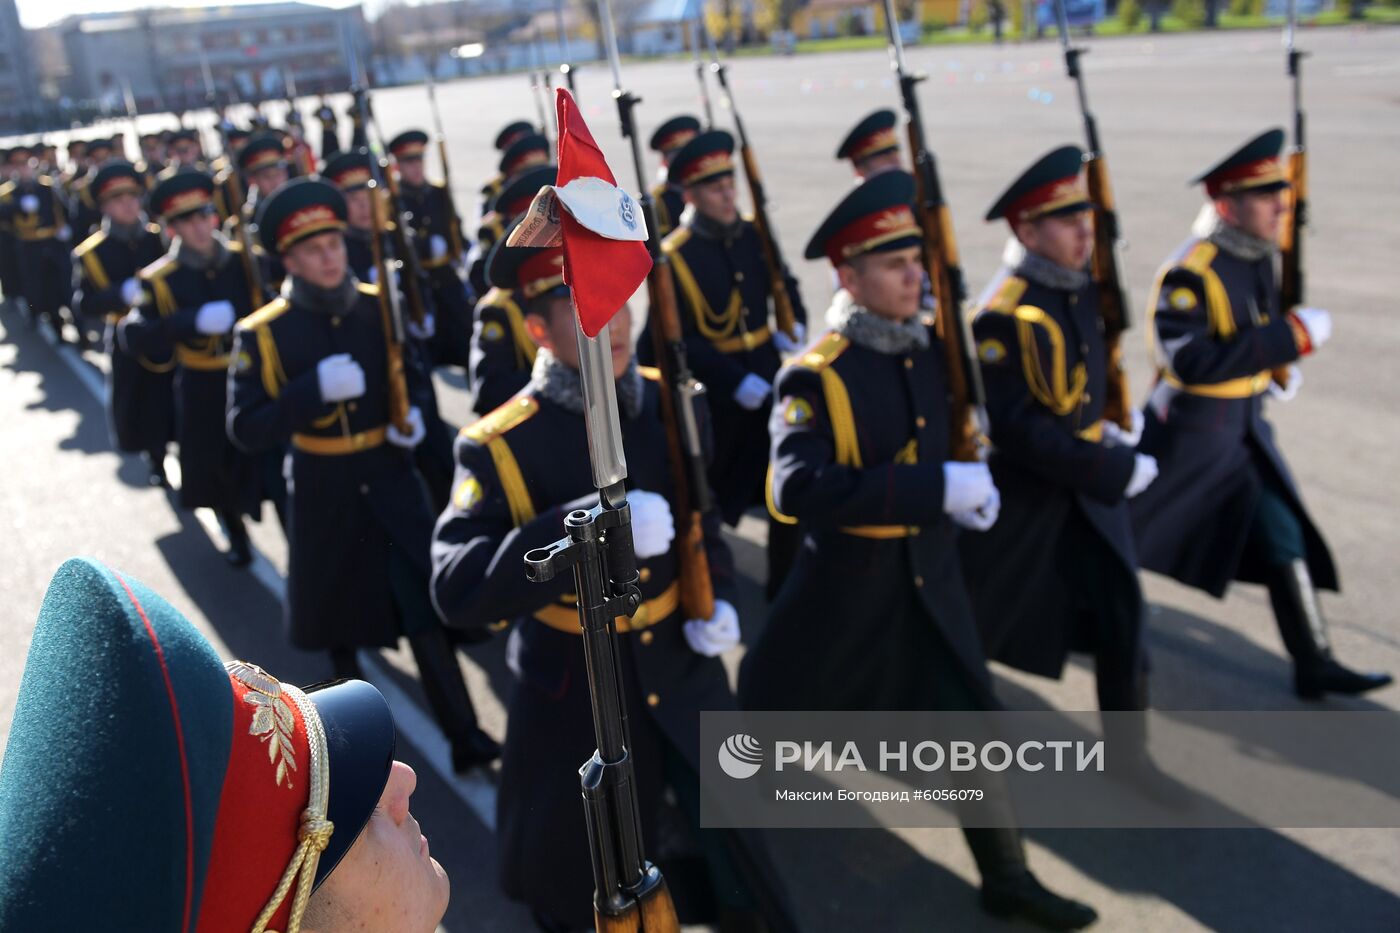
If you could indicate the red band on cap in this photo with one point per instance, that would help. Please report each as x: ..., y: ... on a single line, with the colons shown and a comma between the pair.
x: 185, y: 202
x: 675, y: 140
x: 870, y: 231
x: 121, y: 184
x: 877, y: 142
x: 716, y: 163
x: 352, y: 178
x: 310, y: 220
x: 525, y: 160
x: 1048, y: 197
x: 541, y: 272
x: 1243, y: 177
x: 408, y: 150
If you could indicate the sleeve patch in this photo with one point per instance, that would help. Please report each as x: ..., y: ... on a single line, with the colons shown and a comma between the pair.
x: 492, y: 331
x: 1182, y: 299
x: 242, y: 362
x: 797, y: 412
x: 467, y: 495
x: 991, y: 352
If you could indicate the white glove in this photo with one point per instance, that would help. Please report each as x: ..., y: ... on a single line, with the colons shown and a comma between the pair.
x: 1144, y: 472
x: 653, y: 528
x: 417, y: 432
x: 131, y: 292
x: 340, y: 378
x: 374, y: 275
x: 967, y: 487
x: 1317, y: 322
x: 215, y: 317
x: 786, y: 344
x: 752, y: 392
x: 983, y: 518
x: 714, y: 636
x: 1295, y: 382
x: 1115, y: 436
x: 422, y: 331
x: 29, y: 203
x: 437, y: 246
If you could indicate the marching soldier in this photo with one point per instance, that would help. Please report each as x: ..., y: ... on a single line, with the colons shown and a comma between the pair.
x: 511, y: 491
x: 35, y: 209
x: 351, y: 174
x: 186, y: 152
x: 724, y: 289
x: 668, y: 196
x: 263, y: 164
x: 229, y: 189
x: 87, y: 217
x: 330, y: 129
x: 256, y: 805
x: 872, y: 145
x: 299, y: 154
x: 1058, y: 571
x: 1226, y: 507
x: 140, y: 389
x: 502, y: 352
x: 153, y: 154
x: 439, y: 234
x: 860, y: 456
x: 311, y: 369
x: 9, y: 243
x: 189, y: 302
x: 508, y: 136
x: 492, y: 224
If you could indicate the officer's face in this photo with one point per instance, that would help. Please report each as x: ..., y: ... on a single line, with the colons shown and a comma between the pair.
x: 556, y: 334
x: 1066, y: 239
x: 358, y: 207
x: 889, y: 283
x: 270, y: 179
x: 387, y: 882
x: 1259, y: 213
x: 186, y: 152
x: 124, y: 209
x: 411, y: 170
x: 319, y: 260
x: 717, y: 200
x: 196, y: 230
x: 883, y: 162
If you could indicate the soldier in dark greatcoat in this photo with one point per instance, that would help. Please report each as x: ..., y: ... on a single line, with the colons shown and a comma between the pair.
x: 312, y: 369
x: 1225, y: 506
x: 667, y: 195
x: 874, y: 614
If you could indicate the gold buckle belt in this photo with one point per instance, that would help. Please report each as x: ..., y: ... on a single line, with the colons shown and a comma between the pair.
x: 746, y: 341
x: 201, y: 361
x: 881, y: 532
x: 1093, y: 432
x: 338, y: 446
x: 1243, y: 387
x: 42, y: 233
x: 565, y: 618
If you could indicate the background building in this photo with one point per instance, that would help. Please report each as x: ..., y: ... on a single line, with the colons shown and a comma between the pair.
x: 18, y: 100
x: 249, y: 53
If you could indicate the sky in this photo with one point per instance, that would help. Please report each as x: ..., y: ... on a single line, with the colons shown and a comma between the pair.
x: 36, y: 13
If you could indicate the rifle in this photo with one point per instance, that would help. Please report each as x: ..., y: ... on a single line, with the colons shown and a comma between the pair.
x: 389, y: 303
x: 783, y: 313
x: 969, y: 405
x: 129, y: 99
x: 1296, y: 199
x: 686, y: 455
x: 537, y: 89
x: 441, y: 136
x: 695, y: 27
x: 1113, y: 299
x: 565, y: 69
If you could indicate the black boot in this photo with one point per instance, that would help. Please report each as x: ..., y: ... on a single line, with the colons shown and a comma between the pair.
x: 1010, y: 890
x: 1304, y: 632
x: 450, y: 702
x: 155, y: 465
x: 1129, y: 762
x: 240, y: 547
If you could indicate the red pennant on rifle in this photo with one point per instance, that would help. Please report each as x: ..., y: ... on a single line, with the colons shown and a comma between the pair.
x: 602, y: 271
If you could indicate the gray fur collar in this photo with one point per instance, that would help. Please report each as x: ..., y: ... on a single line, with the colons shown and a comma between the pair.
x: 869, y: 330
x: 562, y: 385
x: 333, y: 301
x: 124, y: 233
x: 708, y: 229
x: 1211, y: 226
x: 199, y: 261
x: 1036, y: 268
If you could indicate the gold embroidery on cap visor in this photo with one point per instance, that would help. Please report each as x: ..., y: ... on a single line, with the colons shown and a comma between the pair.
x: 1070, y: 191
x: 1265, y: 172
x: 716, y: 163
x: 896, y: 223
x: 354, y: 178
x: 309, y: 221
x: 186, y: 202
x: 875, y: 143
x: 119, y: 186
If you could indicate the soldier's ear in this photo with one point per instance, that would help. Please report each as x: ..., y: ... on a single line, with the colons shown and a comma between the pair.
x: 538, y: 329
x: 848, y: 272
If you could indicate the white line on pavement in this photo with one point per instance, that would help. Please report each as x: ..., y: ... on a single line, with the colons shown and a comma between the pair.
x: 474, y: 789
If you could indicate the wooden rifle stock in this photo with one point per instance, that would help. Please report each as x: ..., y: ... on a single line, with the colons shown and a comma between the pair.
x: 783, y: 313
x: 697, y: 590
x: 1113, y: 307
x: 403, y: 246
x: 1291, y: 236
x: 393, y: 333
x: 651, y: 911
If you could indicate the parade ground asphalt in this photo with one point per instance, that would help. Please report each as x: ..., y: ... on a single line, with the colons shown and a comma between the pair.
x: 1167, y: 107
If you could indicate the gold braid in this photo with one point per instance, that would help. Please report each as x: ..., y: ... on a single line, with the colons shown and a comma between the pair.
x: 315, y: 831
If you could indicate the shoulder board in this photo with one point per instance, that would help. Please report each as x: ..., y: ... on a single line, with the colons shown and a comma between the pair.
x: 1199, y: 257
x: 7, y: 189
x: 265, y: 315
x: 235, y: 246
x: 650, y: 372
x: 823, y: 353
x: 44, y: 181
x: 159, y: 269
x: 497, y: 297
x: 675, y: 240
x: 364, y: 288
x: 1008, y: 296
x: 153, y: 228
x: 88, y: 245
x: 658, y: 189
x: 510, y: 415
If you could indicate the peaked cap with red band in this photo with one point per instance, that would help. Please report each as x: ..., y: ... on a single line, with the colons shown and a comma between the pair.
x: 1255, y: 166
x: 182, y: 193
x: 602, y: 272
x: 526, y: 152
x: 1054, y: 184
x: 148, y: 786
x: 871, y: 136
x: 875, y: 216
x: 115, y: 178
x: 302, y: 208
x: 674, y: 133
